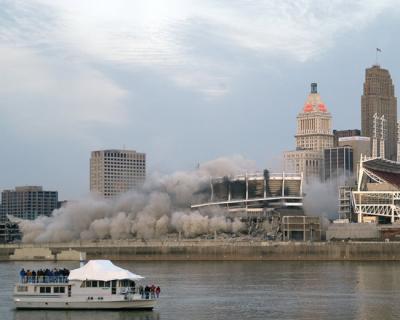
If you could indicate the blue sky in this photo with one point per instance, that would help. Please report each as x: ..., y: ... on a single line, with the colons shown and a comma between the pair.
x: 184, y: 81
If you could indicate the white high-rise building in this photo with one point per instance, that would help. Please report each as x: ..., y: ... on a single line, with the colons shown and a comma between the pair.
x: 113, y: 172
x: 314, y: 134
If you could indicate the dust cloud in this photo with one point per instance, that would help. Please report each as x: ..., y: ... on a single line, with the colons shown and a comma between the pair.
x: 321, y: 198
x: 161, y: 207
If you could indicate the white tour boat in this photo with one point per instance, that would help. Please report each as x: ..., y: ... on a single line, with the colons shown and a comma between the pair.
x: 99, y: 284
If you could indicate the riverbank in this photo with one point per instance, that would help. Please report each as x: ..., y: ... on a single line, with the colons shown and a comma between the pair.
x: 202, y: 250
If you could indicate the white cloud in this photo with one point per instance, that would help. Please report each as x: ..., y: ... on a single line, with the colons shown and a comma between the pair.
x: 149, y: 33
x: 43, y: 95
x: 153, y: 33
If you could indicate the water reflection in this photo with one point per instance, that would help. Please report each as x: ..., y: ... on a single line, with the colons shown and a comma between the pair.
x: 377, y: 290
x: 245, y: 290
x: 85, y: 315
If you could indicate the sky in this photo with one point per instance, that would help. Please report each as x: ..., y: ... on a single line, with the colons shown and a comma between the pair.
x: 185, y: 81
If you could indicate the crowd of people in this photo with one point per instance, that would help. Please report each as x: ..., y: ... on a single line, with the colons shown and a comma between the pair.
x: 61, y: 276
x: 149, y: 291
x: 44, y: 275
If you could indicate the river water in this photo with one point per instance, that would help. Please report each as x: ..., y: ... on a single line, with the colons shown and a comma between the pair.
x: 242, y: 290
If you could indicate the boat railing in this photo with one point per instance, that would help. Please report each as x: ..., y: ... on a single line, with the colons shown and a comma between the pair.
x: 149, y: 294
x: 136, y: 290
x: 44, y: 279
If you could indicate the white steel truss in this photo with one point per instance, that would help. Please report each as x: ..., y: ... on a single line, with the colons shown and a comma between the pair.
x: 373, y: 176
x: 377, y: 203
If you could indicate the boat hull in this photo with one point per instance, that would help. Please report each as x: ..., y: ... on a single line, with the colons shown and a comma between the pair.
x: 92, y: 305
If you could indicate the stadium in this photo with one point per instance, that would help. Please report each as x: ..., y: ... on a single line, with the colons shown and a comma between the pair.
x: 255, y: 194
x: 377, y: 196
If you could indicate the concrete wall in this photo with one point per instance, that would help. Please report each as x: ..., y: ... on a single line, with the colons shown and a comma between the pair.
x: 32, y: 254
x: 207, y: 250
x: 354, y: 231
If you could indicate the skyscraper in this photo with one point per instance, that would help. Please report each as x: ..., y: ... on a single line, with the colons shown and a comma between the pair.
x: 338, y: 163
x: 314, y: 134
x: 360, y: 146
x: 113, y: 172
x: 314, y: 124
x: 378, y: 101
x: 28, y: 202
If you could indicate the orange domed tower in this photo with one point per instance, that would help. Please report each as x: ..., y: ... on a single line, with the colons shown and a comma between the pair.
x: 314, y: 134
x: 314, y: 124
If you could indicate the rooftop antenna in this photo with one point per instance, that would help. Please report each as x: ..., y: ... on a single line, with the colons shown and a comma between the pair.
x: 376, y: 56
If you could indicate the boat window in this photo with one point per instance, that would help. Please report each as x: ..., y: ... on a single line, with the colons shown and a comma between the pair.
x: 101, y: 284
x: 89, y: 284
x: 114, y: 287
x: 124, y: 283
x: 107, y: 284
x: 45, y: 289
x: 59, y: 289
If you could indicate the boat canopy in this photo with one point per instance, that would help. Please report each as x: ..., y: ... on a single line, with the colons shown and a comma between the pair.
x: 103, y: 270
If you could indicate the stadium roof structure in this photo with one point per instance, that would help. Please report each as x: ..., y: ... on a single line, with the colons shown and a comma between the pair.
x: 381, y: 170
x: 254, y: 193
x: 382, y: 201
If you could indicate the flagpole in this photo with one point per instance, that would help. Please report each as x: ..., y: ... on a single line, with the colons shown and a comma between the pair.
x: 376, y: 56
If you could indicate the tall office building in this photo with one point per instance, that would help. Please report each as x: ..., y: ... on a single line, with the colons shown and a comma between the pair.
x: 378, y: 101
x: 360, y: 146
x: 113, y: 172
x: 314, y: 124
x: 338, y: 163
x: 28, y: 202
x: 314, y: 134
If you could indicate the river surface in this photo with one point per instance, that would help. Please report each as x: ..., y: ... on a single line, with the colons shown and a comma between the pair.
x: 242, y: 290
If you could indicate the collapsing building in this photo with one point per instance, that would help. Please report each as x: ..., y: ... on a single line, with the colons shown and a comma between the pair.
x: 270, y: 204
x: 256, y: 194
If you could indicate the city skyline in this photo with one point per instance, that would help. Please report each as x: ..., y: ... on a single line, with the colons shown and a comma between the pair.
x: 188, y: 85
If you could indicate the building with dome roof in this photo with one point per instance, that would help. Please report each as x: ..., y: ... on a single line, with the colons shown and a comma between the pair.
x: 314, y: 134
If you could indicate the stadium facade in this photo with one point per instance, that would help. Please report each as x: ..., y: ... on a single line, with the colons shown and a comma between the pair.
x: 256, y: 194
